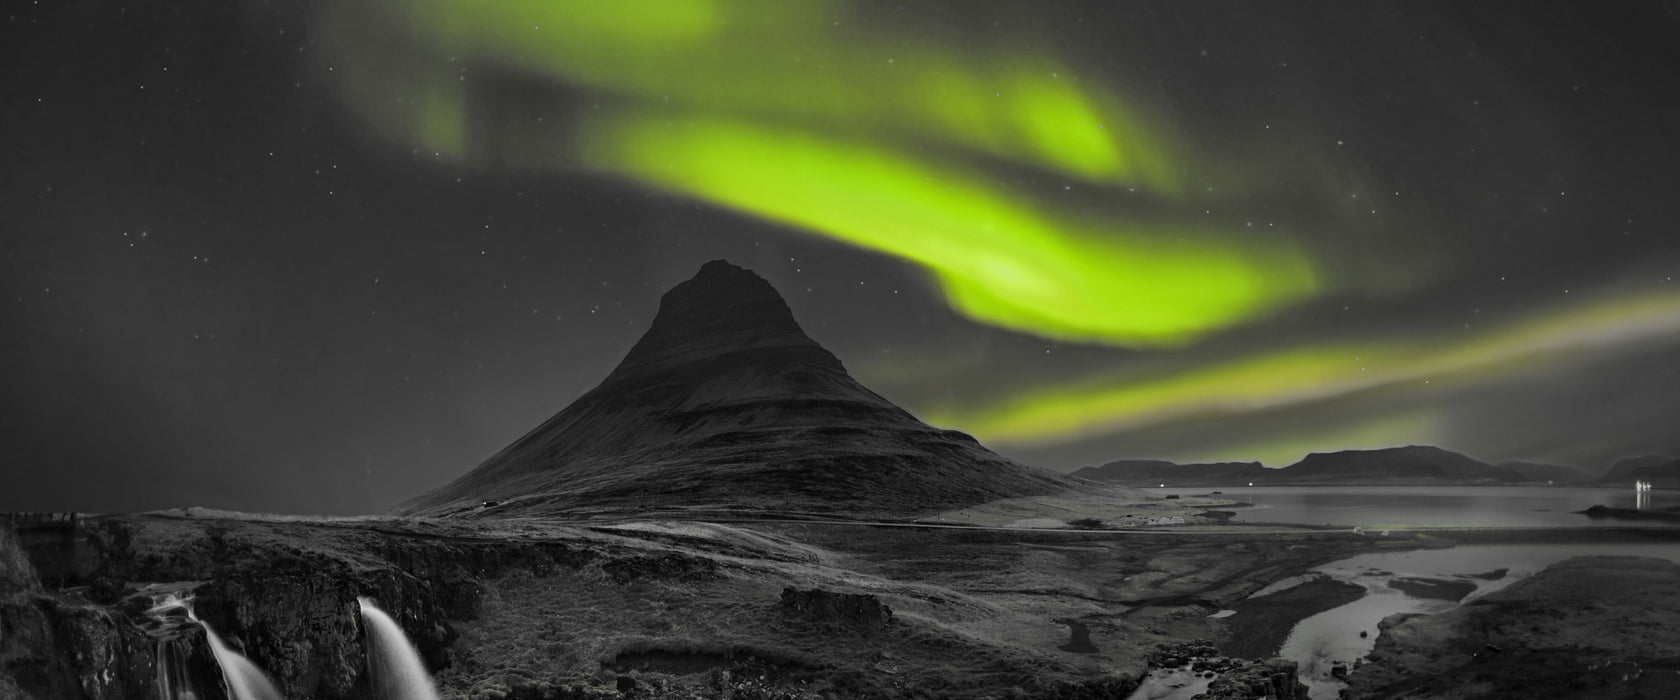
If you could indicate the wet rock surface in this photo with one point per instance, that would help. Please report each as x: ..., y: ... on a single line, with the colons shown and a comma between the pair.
x: 1589, y: 627
x: 1231, y: 678
x: 1271, y: 678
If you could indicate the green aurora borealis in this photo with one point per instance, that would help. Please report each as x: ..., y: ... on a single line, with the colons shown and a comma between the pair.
x: 907, y: 148
x: 1318, y: 371
x: 997, y: 261
x: 717, y: 103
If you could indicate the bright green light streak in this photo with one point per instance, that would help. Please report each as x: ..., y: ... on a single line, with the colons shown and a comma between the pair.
x: 998, y: 260
x: 797, y: 60
x: 765, y: 106
x: 1300, y: 375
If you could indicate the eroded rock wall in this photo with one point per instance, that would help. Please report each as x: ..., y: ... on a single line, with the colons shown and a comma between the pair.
x: 53, y: 646
x: 281, y: 593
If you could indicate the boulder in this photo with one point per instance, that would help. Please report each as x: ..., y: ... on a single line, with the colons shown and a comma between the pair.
x: 1272, y: 678
x: 848, y: 609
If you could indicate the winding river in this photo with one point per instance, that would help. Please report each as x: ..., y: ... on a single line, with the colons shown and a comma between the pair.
x: 1320, y: 642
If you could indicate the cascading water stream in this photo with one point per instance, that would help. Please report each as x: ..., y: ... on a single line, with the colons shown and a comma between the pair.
x: 393, y: 664
x: 244, y: 680
x: 164, y: 621
x: 173, y: 683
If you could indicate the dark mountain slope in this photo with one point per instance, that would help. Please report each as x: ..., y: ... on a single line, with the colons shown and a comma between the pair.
x: 1642, y: 468
x: 726, y: 405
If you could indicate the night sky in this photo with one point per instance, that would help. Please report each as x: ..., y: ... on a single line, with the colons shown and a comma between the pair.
x: 318, y: 258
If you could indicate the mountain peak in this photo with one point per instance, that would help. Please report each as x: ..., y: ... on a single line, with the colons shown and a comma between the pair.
x: 725, y: 405
x: 722, y: 307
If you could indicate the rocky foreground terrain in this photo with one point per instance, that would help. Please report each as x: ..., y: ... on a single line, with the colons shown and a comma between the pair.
x: 1590, y: 627
x: 530, y: 609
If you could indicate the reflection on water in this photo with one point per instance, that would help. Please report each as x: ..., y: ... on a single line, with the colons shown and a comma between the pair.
x: 1332, y: 638
x: 1438, y: 506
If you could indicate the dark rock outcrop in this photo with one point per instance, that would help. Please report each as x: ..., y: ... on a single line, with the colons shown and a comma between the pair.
x: 54, y: 646
x: 1238, y: 679
x: 17, y: 575
x: 856, y: 610
x: 1271, y: 678
x: 725, y: 405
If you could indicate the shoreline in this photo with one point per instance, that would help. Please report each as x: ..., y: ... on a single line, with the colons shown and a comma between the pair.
x: 1600, y: 512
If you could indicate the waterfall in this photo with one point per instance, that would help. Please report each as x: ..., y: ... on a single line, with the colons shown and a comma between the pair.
x: 393, y: 664
x: 244, y: 680
x: 165, y: 620
x: 173, y: 683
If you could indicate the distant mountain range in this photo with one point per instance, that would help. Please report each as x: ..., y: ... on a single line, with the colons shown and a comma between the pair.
x: 1151, y: 472
x: 1556, y: 473
x: 1395, y: 465
x: 1659, y: 470
x: 726, y: 406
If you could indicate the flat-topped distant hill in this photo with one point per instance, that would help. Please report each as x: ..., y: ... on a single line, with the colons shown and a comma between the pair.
x: 1395, y: 465
x: 1140, y: 472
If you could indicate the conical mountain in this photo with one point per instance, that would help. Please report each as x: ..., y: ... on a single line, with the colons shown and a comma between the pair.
x: 726, y: 406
